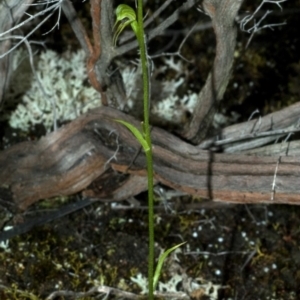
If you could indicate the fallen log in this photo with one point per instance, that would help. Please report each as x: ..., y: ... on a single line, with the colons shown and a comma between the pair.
x: 99, y: 157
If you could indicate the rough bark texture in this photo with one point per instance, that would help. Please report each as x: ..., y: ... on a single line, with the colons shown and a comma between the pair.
x: 96, y: 154
x: 222, y: 14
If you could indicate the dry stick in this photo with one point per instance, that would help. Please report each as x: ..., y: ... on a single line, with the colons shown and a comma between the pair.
x: 106, y: 290
x: 274, y: 180
x: 77, y: 27
x: 53, y: 8
x: 10, y: 13
x: 256, y: 27
x: 48, y: 96
x: 22, y: 11
x: 157, y: 12
x: 280, y: 120
x: 82, y: 36
x: 284, y: 148
x: 41, y: 220
x: 96, y: 17
x: 222, y: 14
x: 178, y: 52
x: 255, y: 135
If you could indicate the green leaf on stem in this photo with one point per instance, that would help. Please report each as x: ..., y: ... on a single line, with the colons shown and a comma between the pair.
x: 160, y: 263
x: 138, y: 134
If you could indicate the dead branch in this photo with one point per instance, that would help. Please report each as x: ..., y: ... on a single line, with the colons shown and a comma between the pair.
x: 11, y: 12
x: 283, y: 119
x: 76, y: 157
x: 93, y: 52
x: 106, y: 290
x: 77, y: 27
x: 222, y: 14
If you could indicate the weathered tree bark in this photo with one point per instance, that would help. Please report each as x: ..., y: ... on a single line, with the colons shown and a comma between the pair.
x: 96, y: 154
x: 236, y: 138
x: 222, y: 14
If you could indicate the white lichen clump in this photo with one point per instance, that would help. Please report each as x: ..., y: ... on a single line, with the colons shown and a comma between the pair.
x: 179, y: 282
x: 174, y: 108
x: 193, y: 286
x: 166, y: 104
x: 58, y: 92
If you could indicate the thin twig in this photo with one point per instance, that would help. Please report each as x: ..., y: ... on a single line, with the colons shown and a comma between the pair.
x: 50, y: 9
x: 256, y: 27
x: 37, y: 78
x: 274, y: 180
x: 178, y: 52
x: 77, y: 27
x: 106, y: 290
x: 250, y: 136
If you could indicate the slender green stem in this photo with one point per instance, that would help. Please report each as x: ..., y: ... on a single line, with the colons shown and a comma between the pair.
x: 146, y: 92
x: 127, y: 15
x: 151, y: 226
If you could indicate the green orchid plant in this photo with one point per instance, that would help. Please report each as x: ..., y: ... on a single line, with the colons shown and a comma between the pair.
x: 125, y: 15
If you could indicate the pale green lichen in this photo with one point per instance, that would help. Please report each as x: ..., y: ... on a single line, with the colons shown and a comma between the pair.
x: 58, y: 91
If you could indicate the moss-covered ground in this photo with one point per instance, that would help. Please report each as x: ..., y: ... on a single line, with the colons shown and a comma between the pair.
x: 253, y: 251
